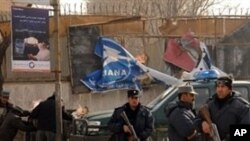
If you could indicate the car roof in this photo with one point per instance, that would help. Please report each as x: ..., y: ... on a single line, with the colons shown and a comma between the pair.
x: 235, y: 82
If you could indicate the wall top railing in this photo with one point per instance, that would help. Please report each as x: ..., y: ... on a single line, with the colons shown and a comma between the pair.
x: 148, y: 10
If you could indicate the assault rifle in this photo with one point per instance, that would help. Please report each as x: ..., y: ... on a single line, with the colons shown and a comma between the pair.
x: 130, y: 126
x: 206, y: 116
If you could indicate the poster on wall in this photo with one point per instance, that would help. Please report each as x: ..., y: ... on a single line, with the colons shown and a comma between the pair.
x: 30, y: 39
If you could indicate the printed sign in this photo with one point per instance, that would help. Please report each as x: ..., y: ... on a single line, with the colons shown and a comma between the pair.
x: 119, y: 70
x: 30, y: 39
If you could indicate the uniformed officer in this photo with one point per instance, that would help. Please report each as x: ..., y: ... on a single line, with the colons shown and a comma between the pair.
x: 226, y: 107
x: 182, y: 121
x: 139, y: 116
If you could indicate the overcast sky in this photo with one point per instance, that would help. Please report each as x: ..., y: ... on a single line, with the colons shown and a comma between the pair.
x: 234, y: 4
x: 237, y: 6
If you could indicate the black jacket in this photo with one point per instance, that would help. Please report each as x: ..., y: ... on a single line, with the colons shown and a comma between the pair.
x: 232, y: 110
x: 181, y: 121
x: 142, y: 121
x: 11, y: 124
x: 45, y: 115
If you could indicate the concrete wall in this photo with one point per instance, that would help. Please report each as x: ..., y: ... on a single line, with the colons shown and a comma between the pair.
x: 23, y: 94
x: 28, y: 87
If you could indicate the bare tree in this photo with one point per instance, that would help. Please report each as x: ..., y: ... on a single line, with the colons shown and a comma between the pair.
x: 159, y: 8
x: 172, y: 8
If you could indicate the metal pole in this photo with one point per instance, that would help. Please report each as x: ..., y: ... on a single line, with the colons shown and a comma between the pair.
x: 57, y: 71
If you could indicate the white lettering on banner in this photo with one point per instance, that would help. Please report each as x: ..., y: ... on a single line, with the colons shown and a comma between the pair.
x: 114, y: 72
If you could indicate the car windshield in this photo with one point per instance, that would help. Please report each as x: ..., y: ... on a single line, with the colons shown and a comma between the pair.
x: 161, y: 96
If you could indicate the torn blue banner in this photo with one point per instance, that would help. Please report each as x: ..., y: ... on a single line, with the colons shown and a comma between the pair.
x: 120, y: 69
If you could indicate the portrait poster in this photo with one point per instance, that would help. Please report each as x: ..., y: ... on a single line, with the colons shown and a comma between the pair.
x: 30, y: 39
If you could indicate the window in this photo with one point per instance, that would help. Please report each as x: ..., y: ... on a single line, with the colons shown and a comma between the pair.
x: 202, y: 97
x: 243, y: 91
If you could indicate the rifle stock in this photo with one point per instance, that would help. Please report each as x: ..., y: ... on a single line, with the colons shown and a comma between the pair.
x: 131, y: 128
x: 204, y: 112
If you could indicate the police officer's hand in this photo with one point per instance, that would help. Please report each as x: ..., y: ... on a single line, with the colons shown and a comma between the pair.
x: 206, y: 127
x: 126, y: 129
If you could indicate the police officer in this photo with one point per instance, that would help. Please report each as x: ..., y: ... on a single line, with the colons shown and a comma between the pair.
x: 226, y: 107
x: 139, y: 116
x: 182, y: 121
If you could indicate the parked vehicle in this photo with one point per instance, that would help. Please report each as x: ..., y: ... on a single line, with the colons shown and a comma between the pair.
x: 94, y: 126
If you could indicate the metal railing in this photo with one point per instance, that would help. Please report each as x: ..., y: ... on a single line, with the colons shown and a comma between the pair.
x: 146, y: 9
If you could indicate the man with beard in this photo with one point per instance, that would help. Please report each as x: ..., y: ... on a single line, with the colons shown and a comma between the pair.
x: 139, y: 117
x: 182, y: 121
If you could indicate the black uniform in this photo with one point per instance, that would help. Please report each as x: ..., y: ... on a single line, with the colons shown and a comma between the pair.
x: 11, y: 124
x: 141, y: 119
x: 182, y: 121
x: 45, y: 115
x: 231, y: 110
